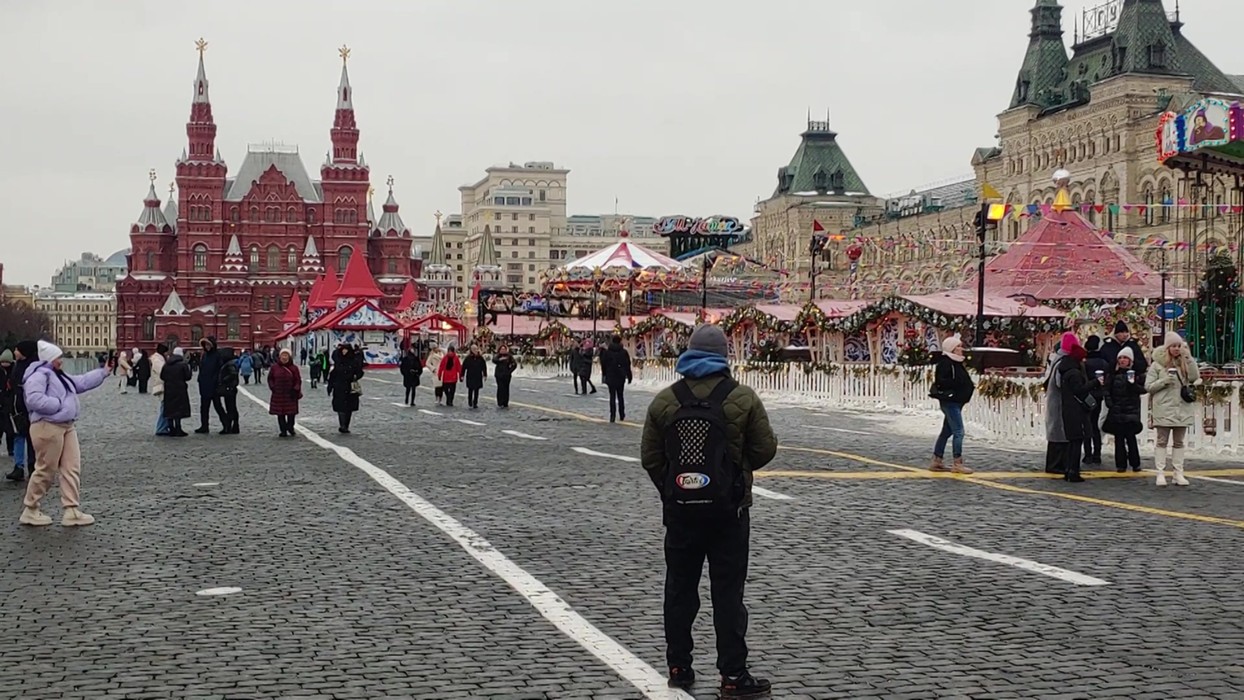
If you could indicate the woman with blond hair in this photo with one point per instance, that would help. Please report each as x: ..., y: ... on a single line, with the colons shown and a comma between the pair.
x: 1172, y: 403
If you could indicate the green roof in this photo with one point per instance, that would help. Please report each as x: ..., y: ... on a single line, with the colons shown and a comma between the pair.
x: 819, y: 166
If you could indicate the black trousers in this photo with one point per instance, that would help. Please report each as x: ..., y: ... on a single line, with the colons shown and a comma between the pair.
x: 410, y: 395
x: 142, y: 386
x: 448, y: 390
x: 586, y: 380
x: 206, y: 403
x: 1092, y: 435
x: 617, y: 401
x: 726, y: 545
x: 1126, y: 452
x: 8, y: 441
x: 231, y: 412
x: 285, y: 423
x: 473, y: 397
x: 343, y: 419
x: 1056, y: 457
x: 503, y: 391
x: 1071, y: 457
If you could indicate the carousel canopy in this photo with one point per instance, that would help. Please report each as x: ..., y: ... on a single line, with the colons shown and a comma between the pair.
x: 624, y: 254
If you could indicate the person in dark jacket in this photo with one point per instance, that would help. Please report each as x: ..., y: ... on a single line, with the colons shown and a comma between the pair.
x: 285, y: 382
x: 25, y: 353
x: 1122, y: 338
x: 1075, y: 391
x: 1124, y: 388
x: 1097, y: 370
x: 575, y: 360
x: 342, y: 378
x: 227, y: 381
x: 176, y: 376
x: 504, y: 366
x: 723, y: 540
x: 953, y: 389
x: 142, y: 371
x: 475, y: 371
x: 6, y: 399
x: 209, y: 381
x: 587, y: 358
x: 411, y: 369
x: 318, y: 362
x: 615, y: 373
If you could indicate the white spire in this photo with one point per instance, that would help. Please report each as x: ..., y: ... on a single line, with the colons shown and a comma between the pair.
x: 173, y: 304
x: 200, y: 83
x: 310, y: 251
x: 235, y: 248
x: 311, y: 258
x: 345, y: 96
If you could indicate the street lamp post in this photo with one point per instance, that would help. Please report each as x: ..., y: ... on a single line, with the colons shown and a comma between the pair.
x: 704, y: 289
x: 1162, y: 306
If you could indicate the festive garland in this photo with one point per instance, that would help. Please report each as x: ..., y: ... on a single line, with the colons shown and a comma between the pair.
x: 657, y: 322
x: 752, y: 315
x: 1000, y: 388
x: 1214, y: 393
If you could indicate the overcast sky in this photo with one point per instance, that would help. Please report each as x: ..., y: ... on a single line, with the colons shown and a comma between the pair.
x: 671, y: 106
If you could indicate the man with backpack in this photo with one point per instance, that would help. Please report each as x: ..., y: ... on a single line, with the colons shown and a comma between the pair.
x: 703, y: 438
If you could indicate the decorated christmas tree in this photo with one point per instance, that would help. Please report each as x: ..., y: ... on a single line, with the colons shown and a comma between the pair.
x: 1214, y: 335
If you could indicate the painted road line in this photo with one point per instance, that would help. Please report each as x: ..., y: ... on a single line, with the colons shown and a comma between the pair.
x: 382, y: 381
x: 400, y: 405
x: 594, y: 453
x: 430, y: 413
x: 766, y: 493
x: 838, y: 430
x: 1214, y: 479
x: 809, y: 474
x: 1120, y: 505
x: 1025, y: 564
x: 469, y: 422
x: 525, y: 436
x: 557, y: 611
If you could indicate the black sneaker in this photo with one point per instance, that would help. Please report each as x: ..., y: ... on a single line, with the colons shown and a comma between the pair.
x: 682, y: 678
x: 744, y: 685
x: 18, y: 474
x: 203, y: 431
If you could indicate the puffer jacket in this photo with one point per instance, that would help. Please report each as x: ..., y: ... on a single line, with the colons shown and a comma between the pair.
x: 1123, y: 404
x: 157, y: 370
x: 1166, y: 408
x: 53, y: 396
x: 752, y: 444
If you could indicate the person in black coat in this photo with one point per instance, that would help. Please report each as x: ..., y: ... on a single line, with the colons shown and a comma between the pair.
x: 142, y: 372
x: 209, y: 380
x: 25, y: 353
x: 346, y: 372
x: 504, y: 366
x: 1123, y: 391
x: 1122, y: 338
x: 953, y: 388
x: 227, y: 381
x: 615, y: 373
x: 576, y: 364
x: 176, y: 376
x: 411, y: 369
x: 475, y: 369
x: 1097, y: 370
x: 1076, y: 391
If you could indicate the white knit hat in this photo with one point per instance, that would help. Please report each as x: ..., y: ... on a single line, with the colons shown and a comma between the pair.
x: 1173, y: 338
x: 48, y: 351
x: 952, y: 347
x: 179, y: 351
x: 1127, y: 352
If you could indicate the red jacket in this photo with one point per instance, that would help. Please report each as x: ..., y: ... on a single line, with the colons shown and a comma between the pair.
x: 450, y: 370
x: 285, y: 381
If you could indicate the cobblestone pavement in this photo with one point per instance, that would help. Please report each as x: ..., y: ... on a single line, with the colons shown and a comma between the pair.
x: 346, y: 591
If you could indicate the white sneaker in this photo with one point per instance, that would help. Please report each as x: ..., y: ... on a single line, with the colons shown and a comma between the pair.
x: 74, y: 517
x: 1180, y: 479
x: 34, y: 517
x: 1161, y: 479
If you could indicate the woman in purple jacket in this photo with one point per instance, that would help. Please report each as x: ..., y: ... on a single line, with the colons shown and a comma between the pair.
x: 52, y: 400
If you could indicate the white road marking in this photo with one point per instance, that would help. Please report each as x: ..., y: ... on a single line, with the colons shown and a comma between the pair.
x: 515, y: 433
x: 631, y: 668
x: 838, y: 430
x: 382, y: 381
x: 1214, y: 479
x: 469, y: 422
x: 430, y: 413
x: 399, y: 405
x: 594, y: 453
x: 766, y: 493
x: 207, y: 484
x: 225, y: 590
x: 1025, y: 564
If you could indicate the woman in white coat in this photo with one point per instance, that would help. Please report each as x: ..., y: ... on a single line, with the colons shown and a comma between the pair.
x: 123, y: 371
x: 1172, y: 370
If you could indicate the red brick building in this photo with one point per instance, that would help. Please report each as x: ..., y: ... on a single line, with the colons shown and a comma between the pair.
x: 227, y: 258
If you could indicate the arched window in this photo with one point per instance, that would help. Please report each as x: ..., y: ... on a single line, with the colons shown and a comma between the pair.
x: 310, y: 215
x: 234, y: 216
x: 392, y: 266
x: 233, y: 326
x: 1148, y: 196
x: 291, y: 259
x: 196, y: 334
x: 272, y: 214
x: 151, y: 260
x: 343, y: 257
x: 148, y: 327
x: 263, y: 303
x: 291, y: 215
x: 1165, y: 190
x: 254, y: 257
x: 200, y: 257
x: 274, y: 258
x: 254, y: 213
x: 1091, y: 198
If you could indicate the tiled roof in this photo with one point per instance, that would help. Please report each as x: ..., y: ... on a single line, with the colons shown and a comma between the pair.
x: 257, y: 163
x: 818, y: 164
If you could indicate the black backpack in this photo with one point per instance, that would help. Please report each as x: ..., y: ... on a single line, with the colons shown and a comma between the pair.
x: 700, y: 478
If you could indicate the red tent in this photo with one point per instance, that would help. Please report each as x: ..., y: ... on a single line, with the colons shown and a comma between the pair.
x: 436, y: 323
x: 410, y: 297
x: 357, y: 282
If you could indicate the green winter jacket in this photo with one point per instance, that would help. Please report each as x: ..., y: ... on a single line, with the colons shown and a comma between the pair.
x: 752, y: 442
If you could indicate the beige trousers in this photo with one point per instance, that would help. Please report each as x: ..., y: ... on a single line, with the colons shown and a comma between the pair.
x: 56, y: 451
x: 1175, y: 436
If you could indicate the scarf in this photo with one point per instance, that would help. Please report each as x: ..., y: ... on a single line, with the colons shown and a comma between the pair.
x: 695, y: 364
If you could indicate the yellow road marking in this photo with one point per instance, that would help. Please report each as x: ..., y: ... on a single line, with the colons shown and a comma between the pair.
x: 978, y: 480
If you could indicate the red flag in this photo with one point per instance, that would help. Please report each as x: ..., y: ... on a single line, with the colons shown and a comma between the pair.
x: 817, y: 227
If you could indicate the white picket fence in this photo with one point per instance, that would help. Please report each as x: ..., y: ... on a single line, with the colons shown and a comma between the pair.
x: 1019, y: 420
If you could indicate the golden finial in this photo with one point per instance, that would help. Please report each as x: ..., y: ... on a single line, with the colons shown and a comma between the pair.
x: 344, y: 52
x: 171, y: 186
x: 390, y: 183
x: 151, y: 175
x: 201, y: 45
x: 371, y: 191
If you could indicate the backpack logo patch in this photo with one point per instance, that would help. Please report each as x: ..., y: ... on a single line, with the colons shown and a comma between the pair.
x: 692, y: 481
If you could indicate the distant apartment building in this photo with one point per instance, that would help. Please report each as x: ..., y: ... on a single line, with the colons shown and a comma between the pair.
x: 82, y: 323
x: 91, y: 273
x: 587, y: 233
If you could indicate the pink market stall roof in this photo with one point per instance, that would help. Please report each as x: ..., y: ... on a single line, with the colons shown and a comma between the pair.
x: 1062, y: 257
x: 838, y: 308
x: 625, y: 254
x: 961, y: 302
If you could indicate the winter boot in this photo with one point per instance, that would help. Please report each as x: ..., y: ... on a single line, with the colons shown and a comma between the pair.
x: 34, y: 517
x: 938, y: 465
x: 18, y: 474
x: 1177, y: 461
x: 959, y: 467
x: 744, y: 685
x: 1159, y: 463
x: 73, y: 517
x: 682, y: 678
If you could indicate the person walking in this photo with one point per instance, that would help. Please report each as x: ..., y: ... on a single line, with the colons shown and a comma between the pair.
x: 25, y: 353
x: 615, y: 374
x: 6, y: 399
x: 953, y: 388
x: 1097, y: 369
x: 210, y: 361
x: 158, y: 359
x: 475, y: 371
x: 319, y: 368
x: 175, y: 378
x: 262, y: 360
x: 587, y: 362
x: 433, y: 364
x: 52, y: 399
x: 246, y: 366
x: 1075, y: 404
x: 142, y: 370
x: 1172, y: 403
x: 504, y: 365
x: 703, y: 438
x: 449, y: 371
x: 227, y: 388
x: 123, y: 371
x: 1124, y: 387
x: 343, y: 386
x: 285, y: 382
x: 575, y: 360
x: 411, y: 369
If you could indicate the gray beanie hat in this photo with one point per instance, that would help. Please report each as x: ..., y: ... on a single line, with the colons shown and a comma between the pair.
x: 709, y: 338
